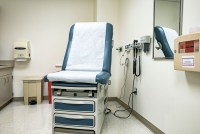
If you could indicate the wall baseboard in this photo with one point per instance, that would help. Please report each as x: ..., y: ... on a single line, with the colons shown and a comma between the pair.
x: 18, y: 98
x: 22, y: 98
x: 148, y: 124
x: 5, y: 104
x: 112, y: 98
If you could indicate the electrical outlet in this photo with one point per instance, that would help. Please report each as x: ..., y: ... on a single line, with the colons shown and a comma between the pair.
x: 119, y: 48
x: 135, y: 92
x: 109, y: 82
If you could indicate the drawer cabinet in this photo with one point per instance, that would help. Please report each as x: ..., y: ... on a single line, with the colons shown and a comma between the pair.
x: 76, y: 111
x: 5, y: 89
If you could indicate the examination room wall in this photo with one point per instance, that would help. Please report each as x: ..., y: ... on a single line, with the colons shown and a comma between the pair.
x: 108, y: 11
x: 167, y: 98
x: 45, y: 23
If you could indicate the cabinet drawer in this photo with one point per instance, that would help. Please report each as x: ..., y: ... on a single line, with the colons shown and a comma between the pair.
x: 74, y: 106
x: 74, y: 120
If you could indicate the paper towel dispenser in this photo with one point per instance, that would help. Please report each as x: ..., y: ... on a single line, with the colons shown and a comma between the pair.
x: 22, y: 50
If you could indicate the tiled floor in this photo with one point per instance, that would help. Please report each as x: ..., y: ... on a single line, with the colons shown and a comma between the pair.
x: 17, y: 118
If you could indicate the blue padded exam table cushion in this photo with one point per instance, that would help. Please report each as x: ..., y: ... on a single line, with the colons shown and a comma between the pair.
x: 103, y: 76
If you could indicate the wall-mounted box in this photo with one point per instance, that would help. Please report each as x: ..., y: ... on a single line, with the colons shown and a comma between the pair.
x: 22, y: 50
x: 186, y: 52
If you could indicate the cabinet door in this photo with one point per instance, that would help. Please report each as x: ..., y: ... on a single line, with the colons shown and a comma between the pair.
x: 1, y: 91
x: 5, y: 89
x: 9, y: 87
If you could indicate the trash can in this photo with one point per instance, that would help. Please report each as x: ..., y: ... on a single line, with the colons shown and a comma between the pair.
x: 32, y: 87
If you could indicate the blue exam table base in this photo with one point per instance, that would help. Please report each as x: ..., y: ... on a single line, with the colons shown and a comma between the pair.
x: 78, y: 110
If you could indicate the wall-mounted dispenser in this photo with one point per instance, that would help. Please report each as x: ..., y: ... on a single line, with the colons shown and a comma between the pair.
x: 186, y: 52
x: 22, y: 50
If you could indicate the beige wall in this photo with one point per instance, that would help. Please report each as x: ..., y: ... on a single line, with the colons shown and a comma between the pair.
x: 108, y: 11
x: 45, y: 23
x: 167, y: 98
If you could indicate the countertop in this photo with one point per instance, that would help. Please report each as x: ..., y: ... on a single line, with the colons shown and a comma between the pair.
x: 6, y: 64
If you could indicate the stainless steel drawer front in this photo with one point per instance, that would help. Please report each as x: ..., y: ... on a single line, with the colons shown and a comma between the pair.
x: 72, y: 131
x: 74, y: 106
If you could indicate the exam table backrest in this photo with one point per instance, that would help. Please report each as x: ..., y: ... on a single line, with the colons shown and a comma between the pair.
x: 89, y: 47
